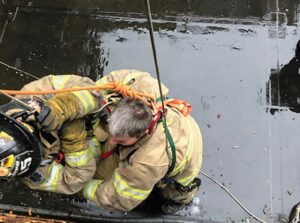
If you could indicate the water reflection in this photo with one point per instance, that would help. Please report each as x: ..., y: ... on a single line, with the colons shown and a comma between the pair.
x: 283, y: 86
x: 203, y: 8
x: 277, y: 24
x: 53, y: 44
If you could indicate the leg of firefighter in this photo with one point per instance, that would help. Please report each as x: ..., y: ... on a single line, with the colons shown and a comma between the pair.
x: 177, y: 196
x: 107, y: 166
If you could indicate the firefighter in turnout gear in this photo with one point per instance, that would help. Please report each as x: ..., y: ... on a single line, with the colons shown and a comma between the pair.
x: 140, y: 149
x: 61, y: 161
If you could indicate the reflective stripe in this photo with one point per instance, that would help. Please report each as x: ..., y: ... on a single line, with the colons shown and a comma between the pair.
x: 94, y: 147
x: 90, y: 189
x: 125, y: 190
x: 77, y: 159
x: 50, y: 183
x: 187, y: 156
x: 86, y: 99
x: 187, y: 180
x: 60, y: 81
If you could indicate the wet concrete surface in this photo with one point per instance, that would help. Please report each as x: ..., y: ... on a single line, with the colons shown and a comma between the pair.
x: 222, y: 66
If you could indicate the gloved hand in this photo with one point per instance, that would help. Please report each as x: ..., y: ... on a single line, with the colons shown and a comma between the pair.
x: 73, y: 136
x: 51, y: 117
x: 64, y: 107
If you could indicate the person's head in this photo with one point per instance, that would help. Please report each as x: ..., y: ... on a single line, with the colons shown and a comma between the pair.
x: 297, y: 50
x: 129, y: 121
x: 20, y: 149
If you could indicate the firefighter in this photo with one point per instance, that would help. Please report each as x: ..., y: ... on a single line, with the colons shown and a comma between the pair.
x: 140, y: 149
x: 61, y: 161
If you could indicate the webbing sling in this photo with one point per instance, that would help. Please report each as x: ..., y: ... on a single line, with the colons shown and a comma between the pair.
x: 169, y: 138
x: 172, y: 145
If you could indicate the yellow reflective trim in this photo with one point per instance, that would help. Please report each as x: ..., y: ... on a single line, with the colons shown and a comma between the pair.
x: 90, y: 189
x: 86, y: 99
x: 187, y: 156
x: 50, y: 183
x: 8, y: 161
x: 59, y: 81
x: 5, y: 138
x: 126, y: 191
x: 77, y: 159
x: 187, y: 180
x: 94, y: 147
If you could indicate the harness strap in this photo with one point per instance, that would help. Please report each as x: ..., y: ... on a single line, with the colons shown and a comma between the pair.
x: 107, y: 154
x: 104, y: 103
x: 59, y: 158
x: 181, y: 105
x: 172, y: 145
x: 154, y: 121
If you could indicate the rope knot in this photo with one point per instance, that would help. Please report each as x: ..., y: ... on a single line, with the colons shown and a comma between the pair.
x: 125, y: 90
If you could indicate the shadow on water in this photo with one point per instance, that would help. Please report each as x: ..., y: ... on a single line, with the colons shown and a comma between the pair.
x: 283, y: 90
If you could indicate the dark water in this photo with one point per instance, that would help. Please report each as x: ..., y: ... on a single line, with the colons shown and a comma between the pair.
x: 222, y: 56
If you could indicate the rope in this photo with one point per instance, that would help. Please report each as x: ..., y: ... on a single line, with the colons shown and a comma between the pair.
x: 164, y: 120
x: 17, y: 100
x: 149, y: 18
x: 234, y: 198
x: 21, y: 71
x: 119, y: 87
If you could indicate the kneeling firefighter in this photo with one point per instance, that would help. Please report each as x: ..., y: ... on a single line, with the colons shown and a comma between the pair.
x: 60, y: 161
x: 136, y: 153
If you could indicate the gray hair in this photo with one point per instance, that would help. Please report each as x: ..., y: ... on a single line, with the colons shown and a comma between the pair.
x: 131, y: 117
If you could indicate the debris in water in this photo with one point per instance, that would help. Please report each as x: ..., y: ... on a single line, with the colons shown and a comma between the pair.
x: 121, y: 39
x: 266, y: 210
x: 235, y: 147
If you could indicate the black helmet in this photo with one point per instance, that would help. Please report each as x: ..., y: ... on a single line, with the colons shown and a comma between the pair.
x: 20, y: 149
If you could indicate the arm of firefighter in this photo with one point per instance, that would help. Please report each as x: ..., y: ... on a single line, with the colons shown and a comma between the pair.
x: 79, y: 167
x: 128, y: 187
x: 138, y: 80
x: 42, y: 84
x: 66, y: 107
x: 55, y: 82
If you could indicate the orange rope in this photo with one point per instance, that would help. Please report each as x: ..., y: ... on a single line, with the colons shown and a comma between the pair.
x: 119, y: 87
